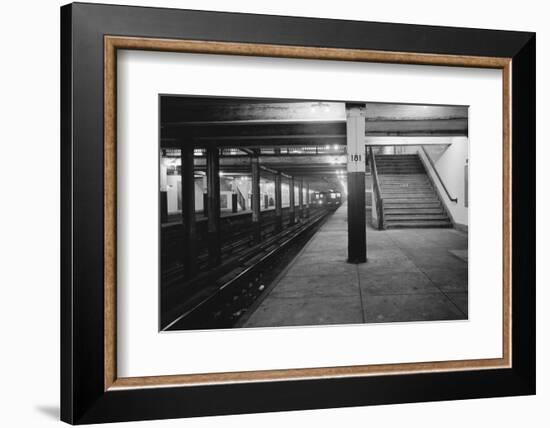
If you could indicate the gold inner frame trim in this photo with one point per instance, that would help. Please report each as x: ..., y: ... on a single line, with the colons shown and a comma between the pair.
x: 113, y: 43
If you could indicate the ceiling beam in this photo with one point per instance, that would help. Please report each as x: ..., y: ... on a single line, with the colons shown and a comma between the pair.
x: 190, y: 110
x: 305, y: 133
x: 254, y: 130
x: 301, y: 161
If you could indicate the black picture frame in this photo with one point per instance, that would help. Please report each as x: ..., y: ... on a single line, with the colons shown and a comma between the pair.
x: 83, y: 396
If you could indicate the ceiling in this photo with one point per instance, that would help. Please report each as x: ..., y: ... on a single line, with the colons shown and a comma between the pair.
x: 310, y: 133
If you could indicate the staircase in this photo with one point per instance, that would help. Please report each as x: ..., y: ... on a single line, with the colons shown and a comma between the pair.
x: 408, y: 194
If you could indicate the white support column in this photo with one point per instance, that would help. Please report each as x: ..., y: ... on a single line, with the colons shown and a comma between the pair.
x: 355, y: 132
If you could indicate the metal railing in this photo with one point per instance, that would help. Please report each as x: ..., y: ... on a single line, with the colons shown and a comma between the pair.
x: 379, y: 202
x: 455, y: 200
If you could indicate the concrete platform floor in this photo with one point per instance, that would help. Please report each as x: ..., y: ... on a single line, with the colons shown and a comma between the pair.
x: 410, y: 275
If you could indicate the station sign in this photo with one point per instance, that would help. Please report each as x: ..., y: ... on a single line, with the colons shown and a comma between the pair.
x: 355, y: 132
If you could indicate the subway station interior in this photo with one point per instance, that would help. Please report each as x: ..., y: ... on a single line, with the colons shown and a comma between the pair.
x: 277, y: 212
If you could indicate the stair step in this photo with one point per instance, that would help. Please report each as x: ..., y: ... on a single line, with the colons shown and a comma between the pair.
x: 389, y: 167
x: 405, y: 179
x: 415, y: 217
x: 405, y: 195
x: 400, y: 156
x: 398, y: 160
x: 406, y: 184
x: 384, y: 170
x: 408, y: 196
x: 392, y: 203
x: 409, y: 184
x: 407, y: 190
x: 398, y: 163
x: 417, y: 224
x: 393, y: 172
x: 399, y: 171
x: 417, y: 175
x: 396, y: 157
x: 413, y: 211
x: 417, y: 201
x: 400, y: 176
x: 411, y: 205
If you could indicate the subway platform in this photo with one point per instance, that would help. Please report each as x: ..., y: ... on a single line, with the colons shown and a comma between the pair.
x: 410, y: 275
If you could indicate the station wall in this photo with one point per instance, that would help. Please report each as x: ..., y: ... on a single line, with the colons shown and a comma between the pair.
x: 451, y: 162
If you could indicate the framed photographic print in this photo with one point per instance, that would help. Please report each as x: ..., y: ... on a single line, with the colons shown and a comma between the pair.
x: 265, y: 213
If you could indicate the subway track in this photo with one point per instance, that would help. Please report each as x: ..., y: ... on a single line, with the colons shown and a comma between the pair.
x: 220, y: 297
x: 234, y: 243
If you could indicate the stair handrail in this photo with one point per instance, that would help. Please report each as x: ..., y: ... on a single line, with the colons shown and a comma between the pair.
x: 377, y: 193
x: 240, y: 199
x: 432, y: 164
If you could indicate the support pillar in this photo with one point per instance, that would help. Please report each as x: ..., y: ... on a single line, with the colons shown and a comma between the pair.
x: 188, y: 210
x: 234, y: 203
x: 256, y: 225
x: 205, y: 202
x: 213, y: 206
x: 205, y: 196
x: 301, y: 198
x: 292, y: 207
x: 163, y: 190
x: 355, y: 132
x: 307, y: 199
x: 278, y: 203
x: 163, y: 206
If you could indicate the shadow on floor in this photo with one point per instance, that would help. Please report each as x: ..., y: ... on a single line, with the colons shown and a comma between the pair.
x: 50, y: 411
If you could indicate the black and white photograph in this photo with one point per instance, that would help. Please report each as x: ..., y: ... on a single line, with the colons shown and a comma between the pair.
x: 243, y: 214
x: 289, y: 212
